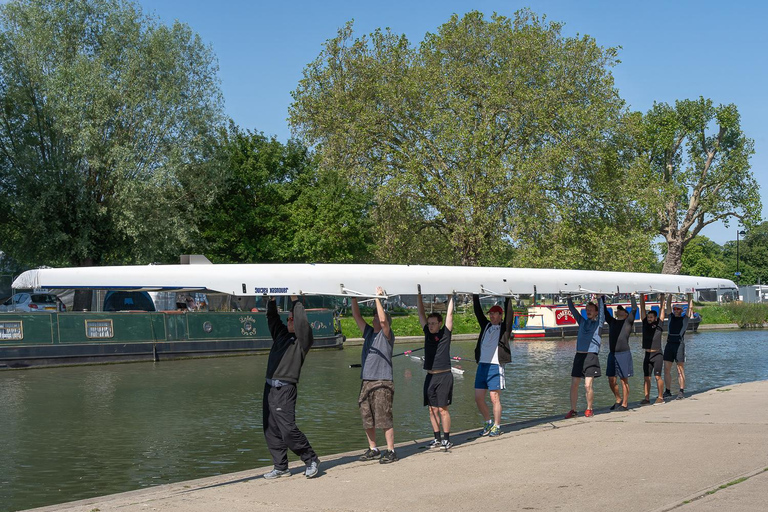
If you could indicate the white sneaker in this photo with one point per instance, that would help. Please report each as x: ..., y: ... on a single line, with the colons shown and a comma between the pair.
x: 313, y: 468
x: 277, y: 473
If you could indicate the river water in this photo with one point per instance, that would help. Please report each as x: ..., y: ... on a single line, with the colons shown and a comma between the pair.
x: 77, y: 432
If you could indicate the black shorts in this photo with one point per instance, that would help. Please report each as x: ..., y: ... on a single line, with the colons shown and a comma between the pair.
x: 438, y: 389
x: 653, y: 361
x: 586, y: 365
x: 619, y: 365
x: 674, y: 352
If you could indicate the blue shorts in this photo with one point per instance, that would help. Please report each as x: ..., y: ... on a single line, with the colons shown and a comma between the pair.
x: 490, y: 376
x: 620, y: 365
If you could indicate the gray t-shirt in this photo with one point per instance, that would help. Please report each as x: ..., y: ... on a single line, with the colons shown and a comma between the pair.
x: 377, y: 355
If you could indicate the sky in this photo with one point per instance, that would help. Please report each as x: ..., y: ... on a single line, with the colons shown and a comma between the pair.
x: 670, y: 50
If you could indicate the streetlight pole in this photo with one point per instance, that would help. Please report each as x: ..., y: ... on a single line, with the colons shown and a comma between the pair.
x: 738, y: 273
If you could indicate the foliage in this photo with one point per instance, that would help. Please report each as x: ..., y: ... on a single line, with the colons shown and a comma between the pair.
x: 696, y: 175
x: 753, y: 255
x: 106, y: 126
x: 703, y: 257
x: 472, y: 138
x: 275, y: 205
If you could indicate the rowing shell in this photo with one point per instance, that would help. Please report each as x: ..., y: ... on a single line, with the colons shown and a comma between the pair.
x: 360, y: 280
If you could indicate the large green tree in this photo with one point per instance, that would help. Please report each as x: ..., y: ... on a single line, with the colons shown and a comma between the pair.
x: 697, y: 162
x: 275, y: 205
x: 479, y: 129
x: 107, y: 121
x: 752, y: 251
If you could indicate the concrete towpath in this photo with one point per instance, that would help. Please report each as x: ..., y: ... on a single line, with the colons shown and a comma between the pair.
x: 708, y: 452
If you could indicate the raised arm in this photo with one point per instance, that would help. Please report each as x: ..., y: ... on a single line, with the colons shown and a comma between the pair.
x: 449, y: 314
x: 601, y: 310
x: 276, y: 326
x: 662, y: 309
x: 479, y: 314
x: 385, y: 327
x: 633, y: 301
x: 301, y: 327
x: 668, y: 305
x: 642, y: 307
x: 606, y: 313
x: 361, y: 323
x: 574, y: 311
x: 420, y: 306
x: 690, y: 305
x: 509, y: 316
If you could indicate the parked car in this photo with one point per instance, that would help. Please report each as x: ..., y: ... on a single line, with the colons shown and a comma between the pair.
x: 32, y: 302
x: 128, y: 301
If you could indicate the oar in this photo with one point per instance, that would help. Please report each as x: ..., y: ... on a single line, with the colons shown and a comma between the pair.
x: 400, y: 354
x: 457, y: 358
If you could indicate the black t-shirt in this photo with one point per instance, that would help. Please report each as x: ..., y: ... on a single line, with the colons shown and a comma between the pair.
x: 619, y: 331
x: 676, y: 329
x: 652, y: 334
x: 437, y: 349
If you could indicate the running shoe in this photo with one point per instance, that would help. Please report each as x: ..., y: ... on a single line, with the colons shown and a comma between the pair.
x: 495, y: 431
x: 388, y: 456
x: 277, y: 473
x: 615, y: 406
x: 645, y: 401
x: 313, y: 468
x: 434, y: 444
x: 446, y: 445
x: 667, y: 394
x: 371, y: 454
x: 486, y: 429
x: 680, y: 395
x: 659, y: 401
x: 588, y: 413
x: 571, y: 414
x: 623, y: 408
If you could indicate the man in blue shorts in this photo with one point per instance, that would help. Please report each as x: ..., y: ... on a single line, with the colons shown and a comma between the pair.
x: 619, y: 356
x: 586, y: 364
x: 491, y: 354
x: 653, y: 327
x: 438, y: 385
x: 674, y: 351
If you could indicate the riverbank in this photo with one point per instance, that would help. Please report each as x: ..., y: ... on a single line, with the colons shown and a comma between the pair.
x: 703, y: 453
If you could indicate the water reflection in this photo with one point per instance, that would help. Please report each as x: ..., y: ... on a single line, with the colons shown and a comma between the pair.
x: 72, y: 433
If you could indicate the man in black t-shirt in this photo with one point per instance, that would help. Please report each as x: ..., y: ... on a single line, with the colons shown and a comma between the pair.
x: 438, y: 385
x: 653, y: 327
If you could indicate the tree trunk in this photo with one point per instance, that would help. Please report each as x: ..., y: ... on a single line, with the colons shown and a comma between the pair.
x: 673, y: 263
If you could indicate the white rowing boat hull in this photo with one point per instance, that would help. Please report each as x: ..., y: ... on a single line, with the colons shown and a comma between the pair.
x: 359, y: 280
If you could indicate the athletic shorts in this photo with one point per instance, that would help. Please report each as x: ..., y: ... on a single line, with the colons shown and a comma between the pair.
x: 490, y: 376
x: 620, y: 365
x: 586, y: 365
x: 438, y: 389
x: 375, y: 402
x: 653, y: 361
x: 674, y: 352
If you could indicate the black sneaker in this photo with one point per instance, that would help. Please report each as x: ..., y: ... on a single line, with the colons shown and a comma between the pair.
x: 388, y: 456
x: 615, y: 405
x: 667, y: 394
x: 370, y: 454
x: 446, y: 445
x: 623, y: 408
x: 680, y: 395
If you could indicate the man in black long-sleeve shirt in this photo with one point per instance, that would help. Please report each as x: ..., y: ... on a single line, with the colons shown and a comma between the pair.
x: 290, y: 345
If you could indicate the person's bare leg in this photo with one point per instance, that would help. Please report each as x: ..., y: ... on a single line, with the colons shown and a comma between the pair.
x: 496, y: 401
x: 481, y: 405
x: 668, y: 374
x: 681, y: 374
x: 445, y: 418
x: 389, y: 435
x: 574, y: 392
x: 660, y: 385
x: 434, y: 418
x: 370, y: 433
x: 590, y: 392
x: 615, y: 388
x: 647, y: 387
x: 625, y: 391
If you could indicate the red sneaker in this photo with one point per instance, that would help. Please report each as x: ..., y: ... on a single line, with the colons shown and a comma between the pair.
x: 571, y: 414
x: 588, y: 413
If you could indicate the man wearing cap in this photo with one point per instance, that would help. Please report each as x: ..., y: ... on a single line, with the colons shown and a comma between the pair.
x: 290, y: 345
x: 491, y: 354
x: 619, y: 356
x: 586, y: 364
x: 674, y: 351
x: 377, y: 390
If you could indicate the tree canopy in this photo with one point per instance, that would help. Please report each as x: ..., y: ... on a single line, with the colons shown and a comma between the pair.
x: 478, y: 131
x: 107, y: 119
x: 698, y: 172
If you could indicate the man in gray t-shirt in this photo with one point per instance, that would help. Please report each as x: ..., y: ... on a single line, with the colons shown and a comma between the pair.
x: 377, y: 390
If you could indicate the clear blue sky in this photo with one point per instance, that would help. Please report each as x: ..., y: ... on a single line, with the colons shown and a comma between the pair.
x: 670, y: 50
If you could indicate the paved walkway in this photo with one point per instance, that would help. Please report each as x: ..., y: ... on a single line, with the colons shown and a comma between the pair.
x: 706, y: 453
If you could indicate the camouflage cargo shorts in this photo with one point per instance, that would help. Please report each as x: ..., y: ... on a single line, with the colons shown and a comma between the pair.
x: 375, y: 401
